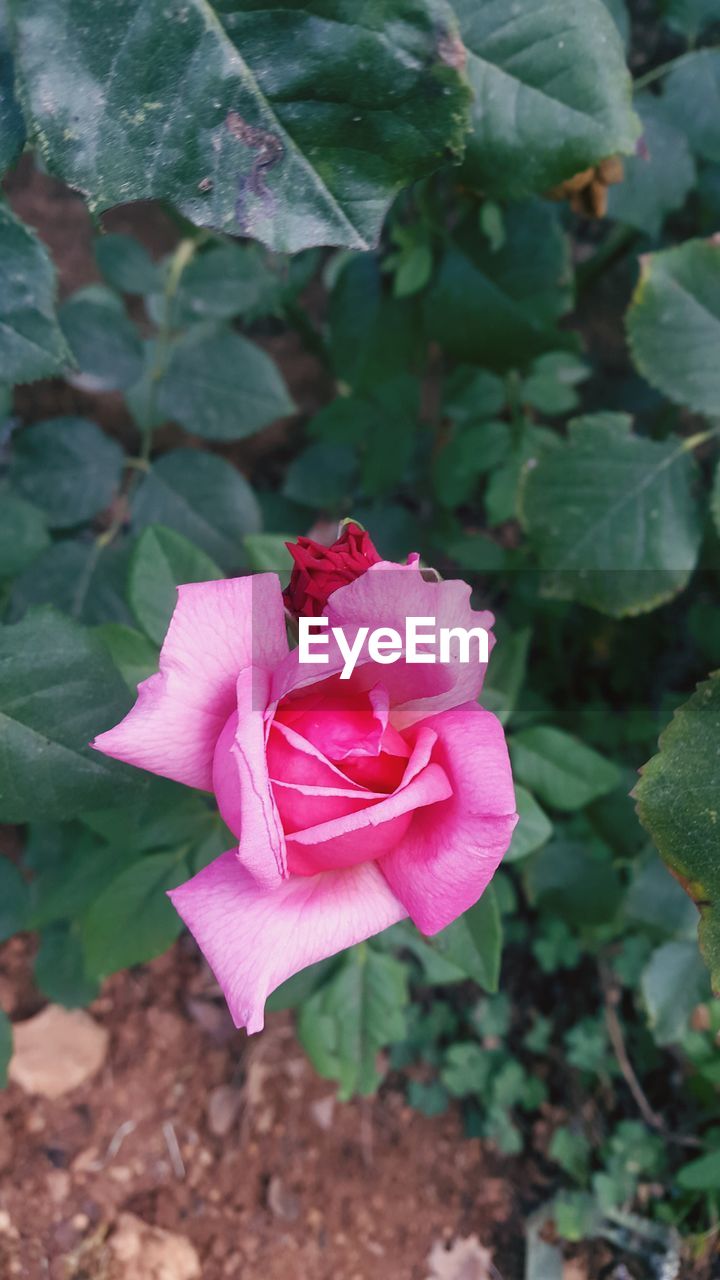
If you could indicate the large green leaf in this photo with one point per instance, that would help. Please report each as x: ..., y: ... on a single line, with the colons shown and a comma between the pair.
x: 203, y: 497
x: 294, y: 123
x: 31, y: 343
x: 552, y: 92
x: 613, y: 516
x: 576, y: 882
x: 219, y: 385
x: 12, y: 127
x: 359, y: 1011
x: 67, y: 466
x: 162, y: 561
x: 58, y: 688
x: 678, y: 799
x: 500, y: 308
x: 674, y: 323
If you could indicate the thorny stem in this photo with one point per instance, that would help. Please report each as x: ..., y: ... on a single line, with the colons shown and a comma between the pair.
x: 181, y: 259
x: 617, y: 1040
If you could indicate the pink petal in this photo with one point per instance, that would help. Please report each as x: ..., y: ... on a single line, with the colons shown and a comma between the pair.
x: 255, y: 938
x: 217, y: 629
x: 451, y: 851
x: 242, y: 787
x: 367, y: 833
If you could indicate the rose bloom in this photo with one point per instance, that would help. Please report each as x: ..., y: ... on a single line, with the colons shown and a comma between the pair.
x: 354, y: 803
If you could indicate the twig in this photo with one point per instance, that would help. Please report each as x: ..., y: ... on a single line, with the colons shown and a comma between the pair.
x: 171, y: 1143
x: 617, y: 1040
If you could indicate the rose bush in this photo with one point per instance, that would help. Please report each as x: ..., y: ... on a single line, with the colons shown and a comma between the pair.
x: 354, y: 804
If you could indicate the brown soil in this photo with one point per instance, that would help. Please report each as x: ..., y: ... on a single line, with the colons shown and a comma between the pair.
x: 299, y: 1187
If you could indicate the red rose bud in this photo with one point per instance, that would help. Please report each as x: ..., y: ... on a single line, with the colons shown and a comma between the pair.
x: 319, y: 570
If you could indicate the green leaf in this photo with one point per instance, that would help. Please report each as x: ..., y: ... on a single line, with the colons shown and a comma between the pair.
x: 506, y: 673
x: 613, y: 516
x: 677, y: 799
x: 292, y: 126
x: 702, y: 1174
x: 126, y: 264
x: 657, y: 179
x: 32, y: 342
x: 715, y: 499
x: 503, y: 490
x: 468, y: 454
x: 218, y: 385
x: 673, y: 323
x: 575, y: 882
x: 552, y: 382
x: 67, y: 466
x: 373, y: 337
x: 552, y: 92
x: 673, y: 982
x: 564, y: 772
x: 473, y: 942
x: 23, y: 533
x: 300, y: 987
x: 229, y: 280
x: 14, y: 899
x: 323, y: 476
x: 690, y: 16
x: 499, y: 309
x: 532, y: 831
x: 361, y: 1009
x: 12, y: 127
x: 202, y: 497
x: 105, y: 344
x: 60, y: 969
x: 656, y: 900
x: 58, y: 688
x: 6, y: 1047
x: 134, y: 655
x: 471, y: 395
x: 133, y: 920
x: 79, y: 872
x: 692, y: 100
x: 162, y: 561
x: 268, y: 552
x: 80, y: 578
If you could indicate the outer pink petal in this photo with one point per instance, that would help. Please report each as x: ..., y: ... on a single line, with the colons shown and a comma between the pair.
x: 242, y: 787
x: 217, y: 629
x: 386, y: 596
x: 452, y: 850
x: 255, y: 938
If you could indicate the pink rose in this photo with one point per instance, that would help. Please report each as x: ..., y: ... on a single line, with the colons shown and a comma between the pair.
x: 355, y: 803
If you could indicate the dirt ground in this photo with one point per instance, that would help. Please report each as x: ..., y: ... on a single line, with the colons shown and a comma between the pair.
x: 235, y: 1145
